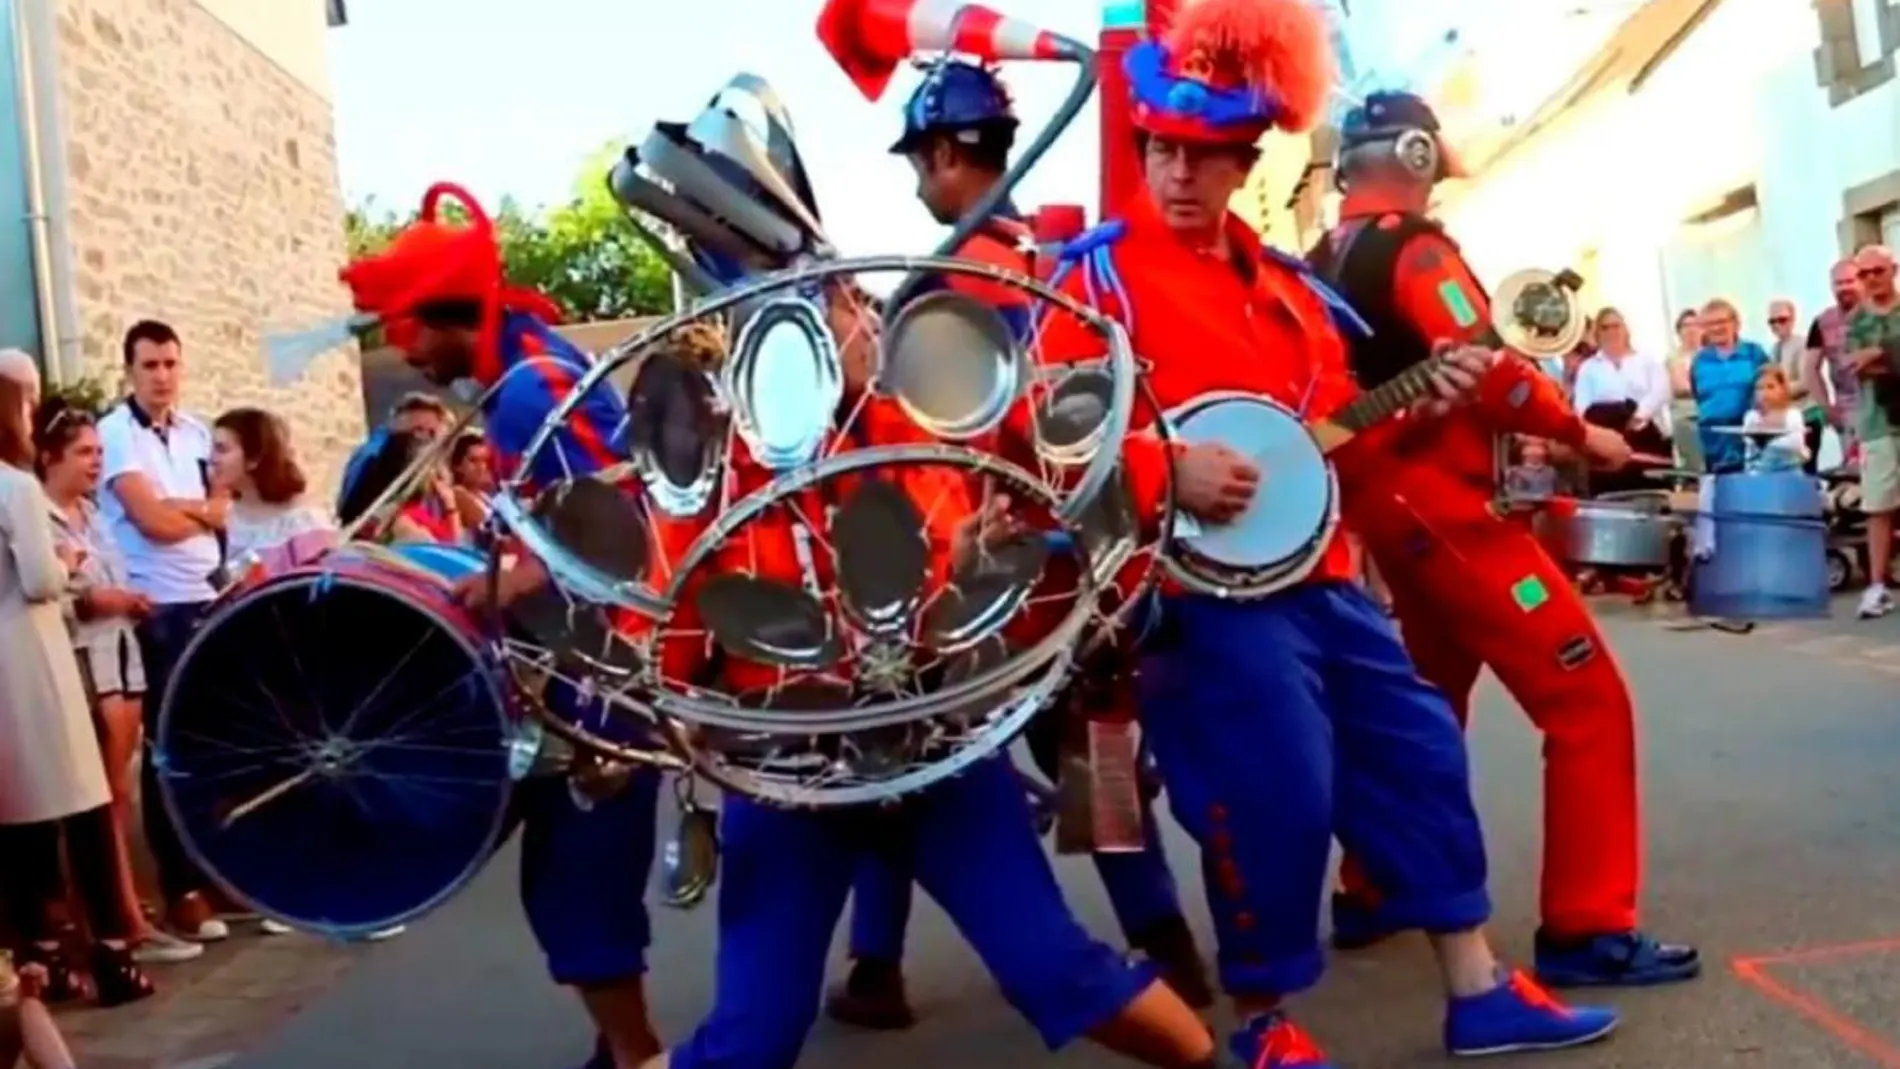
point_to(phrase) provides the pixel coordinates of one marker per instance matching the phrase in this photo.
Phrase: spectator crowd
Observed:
(118, 531)
(1719, 402)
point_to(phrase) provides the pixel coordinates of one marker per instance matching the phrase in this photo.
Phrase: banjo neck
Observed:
(1380, 403)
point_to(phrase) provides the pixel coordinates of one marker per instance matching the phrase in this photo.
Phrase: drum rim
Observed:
(496, 833)
(1198, 572)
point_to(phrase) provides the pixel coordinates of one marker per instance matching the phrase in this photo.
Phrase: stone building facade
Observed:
(199, 165)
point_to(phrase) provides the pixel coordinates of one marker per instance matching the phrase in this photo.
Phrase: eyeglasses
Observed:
(1780, 321)
(1866, 273)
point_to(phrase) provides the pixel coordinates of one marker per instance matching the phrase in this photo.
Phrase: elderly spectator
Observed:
(1682, 421)
(161, 512)
(1873, 344)
(251, 459)
(52, 777)
(1827, 351)
(106, 610)
(1722, 380)
(1790, 354)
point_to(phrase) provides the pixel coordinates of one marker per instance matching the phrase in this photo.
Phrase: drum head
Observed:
(984, 595)
(600, 525)
(1295, 499)
(676, 433)
(1542, 309)
(882, 558)
(952, 364)
(335, 753)
(785, 380)
(1069, 420)
(769, 622)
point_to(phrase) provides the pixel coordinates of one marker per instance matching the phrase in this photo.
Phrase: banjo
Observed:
(1282, 534)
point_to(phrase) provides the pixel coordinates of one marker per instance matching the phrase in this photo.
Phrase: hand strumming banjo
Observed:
(1282, 534)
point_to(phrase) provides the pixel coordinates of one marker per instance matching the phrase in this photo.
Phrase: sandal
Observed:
(59, 981)
(117, 978)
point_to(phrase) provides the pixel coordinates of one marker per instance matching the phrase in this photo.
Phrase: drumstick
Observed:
(270, 795)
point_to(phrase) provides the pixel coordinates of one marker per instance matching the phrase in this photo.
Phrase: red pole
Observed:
(1124, 24)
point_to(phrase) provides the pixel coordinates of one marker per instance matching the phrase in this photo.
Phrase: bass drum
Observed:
(336, 746)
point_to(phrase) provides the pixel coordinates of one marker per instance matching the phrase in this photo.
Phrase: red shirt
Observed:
(1202, 326)
(1447, 467)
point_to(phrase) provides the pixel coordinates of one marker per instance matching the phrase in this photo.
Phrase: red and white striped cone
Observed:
(871, 38)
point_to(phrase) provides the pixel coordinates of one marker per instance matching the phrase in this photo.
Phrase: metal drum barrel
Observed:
(1770, 554)
(335, 746)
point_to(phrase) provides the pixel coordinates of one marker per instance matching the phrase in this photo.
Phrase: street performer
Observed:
(440, 291)
(1277, 719)
(1473, 588)
(959, 126)
(968, 841)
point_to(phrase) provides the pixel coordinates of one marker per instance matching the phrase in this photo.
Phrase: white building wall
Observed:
(1736, 104)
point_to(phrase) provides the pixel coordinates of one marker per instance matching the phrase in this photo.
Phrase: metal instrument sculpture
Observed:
(874, 669)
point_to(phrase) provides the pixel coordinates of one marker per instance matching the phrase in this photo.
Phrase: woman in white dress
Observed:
(251, 457)
(52, 777)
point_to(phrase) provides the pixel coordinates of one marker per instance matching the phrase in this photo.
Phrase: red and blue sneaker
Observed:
(1619, 959)
(1518, 1015)
(1270, 1041)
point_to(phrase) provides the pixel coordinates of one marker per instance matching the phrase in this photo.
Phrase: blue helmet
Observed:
(1410, 125)
(955, 96)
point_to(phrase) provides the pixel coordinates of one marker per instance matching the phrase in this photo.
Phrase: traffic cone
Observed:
(870, 38)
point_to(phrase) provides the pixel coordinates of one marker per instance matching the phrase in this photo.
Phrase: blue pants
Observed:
(584, 877)
(970, 844)
(1274, 723)
(1140, 886)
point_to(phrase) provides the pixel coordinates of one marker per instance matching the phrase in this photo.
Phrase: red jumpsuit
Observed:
(1473, 589)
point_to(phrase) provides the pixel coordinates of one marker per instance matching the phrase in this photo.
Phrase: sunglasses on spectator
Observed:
(1874, 272)
(1780, 321)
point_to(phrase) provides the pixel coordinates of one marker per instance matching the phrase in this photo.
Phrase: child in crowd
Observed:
(1532, 478)
(1776, 412)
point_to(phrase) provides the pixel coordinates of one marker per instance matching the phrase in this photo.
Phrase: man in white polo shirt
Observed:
(166, 521)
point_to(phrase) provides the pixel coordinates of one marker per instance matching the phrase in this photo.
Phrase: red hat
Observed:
(433, 260)
(1227, 71)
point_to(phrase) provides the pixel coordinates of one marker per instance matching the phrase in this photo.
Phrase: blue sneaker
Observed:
(1270, 1041)
(1357, 924)
(1622, 959)
(1518, 1015)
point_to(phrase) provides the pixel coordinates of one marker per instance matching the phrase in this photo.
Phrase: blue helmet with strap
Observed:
(956, 98)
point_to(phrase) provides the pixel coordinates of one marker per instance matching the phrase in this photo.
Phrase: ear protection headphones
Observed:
(1415, 151)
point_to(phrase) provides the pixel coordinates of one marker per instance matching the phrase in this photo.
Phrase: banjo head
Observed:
(1297, 500)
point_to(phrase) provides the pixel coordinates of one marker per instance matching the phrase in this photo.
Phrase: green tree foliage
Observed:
(583, 253)
(86, 392)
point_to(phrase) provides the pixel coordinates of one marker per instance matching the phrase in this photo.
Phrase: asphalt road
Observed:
(1772, 784)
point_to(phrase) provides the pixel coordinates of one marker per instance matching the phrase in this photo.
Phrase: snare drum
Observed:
(336, 747)
(1284, 531)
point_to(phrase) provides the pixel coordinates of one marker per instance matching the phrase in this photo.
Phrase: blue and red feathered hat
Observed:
(955, 96)
(434, 260)
(1227, 71)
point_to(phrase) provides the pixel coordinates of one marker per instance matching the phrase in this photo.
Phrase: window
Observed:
(1890, 227)
(1867, 31)
(333, 9)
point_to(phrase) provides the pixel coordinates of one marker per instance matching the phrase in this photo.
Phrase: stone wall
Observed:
(203, 185)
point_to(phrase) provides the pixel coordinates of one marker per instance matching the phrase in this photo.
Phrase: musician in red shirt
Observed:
(1276, 720)
(1473, 588)
(959, 126)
